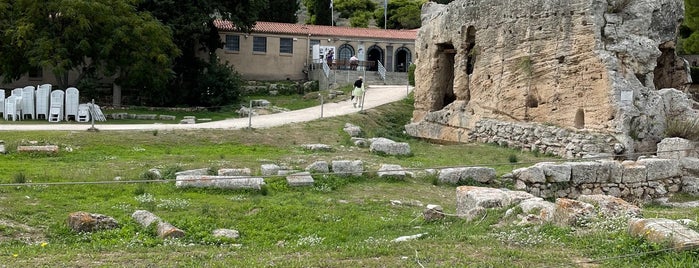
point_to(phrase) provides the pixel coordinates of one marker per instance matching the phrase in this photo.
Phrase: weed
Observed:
(149, 176)
(169, 172)
(264, 190)
(19, 177)
(155, 132)
(512, 158)
(140, 189)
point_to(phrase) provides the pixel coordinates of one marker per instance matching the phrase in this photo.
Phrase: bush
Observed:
(219, 85)
(683, 128)
(411, 74)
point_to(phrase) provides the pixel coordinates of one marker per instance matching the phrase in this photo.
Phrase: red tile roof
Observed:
(321, 30)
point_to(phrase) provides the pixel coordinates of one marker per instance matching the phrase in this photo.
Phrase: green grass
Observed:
(338, 222)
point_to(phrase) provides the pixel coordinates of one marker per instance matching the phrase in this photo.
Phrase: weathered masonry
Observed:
(575, 77)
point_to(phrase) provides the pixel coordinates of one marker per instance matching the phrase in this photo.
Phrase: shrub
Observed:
(20, 178)
(411, 74)
(683, 128)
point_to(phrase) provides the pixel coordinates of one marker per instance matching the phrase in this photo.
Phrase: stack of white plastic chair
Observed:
(42, 101)
(12, 111)
(83, 113)
(72, 102)
(56, 108)
(17, 105)
(2, 102)
(28, 102)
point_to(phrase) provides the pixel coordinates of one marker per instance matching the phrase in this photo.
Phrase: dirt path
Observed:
(375, 96)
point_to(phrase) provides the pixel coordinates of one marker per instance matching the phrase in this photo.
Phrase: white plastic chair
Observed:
(28, 103)
(56, 108)
(2, 102)
(12, 108)
(42, 96)
(72, 102)
(83, 113)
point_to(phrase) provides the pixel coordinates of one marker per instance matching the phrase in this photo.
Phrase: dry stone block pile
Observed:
(603, 74)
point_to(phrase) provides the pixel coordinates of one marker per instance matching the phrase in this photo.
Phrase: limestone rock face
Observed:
(593, 65)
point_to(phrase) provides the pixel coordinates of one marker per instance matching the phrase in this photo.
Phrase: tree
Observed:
(691, 43)
(402, 14)
(319, 12)
(75, 35)
(194, 34)
(359, 12)
(280, 11)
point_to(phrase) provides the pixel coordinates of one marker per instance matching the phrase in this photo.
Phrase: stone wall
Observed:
(596, 65)
(677, 170)
(546, 139)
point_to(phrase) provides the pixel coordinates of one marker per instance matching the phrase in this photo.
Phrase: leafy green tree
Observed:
(319, 12)
(360, 19)
(347, 8)
(691, 22)
(194, 33)
(66, 35)
(402, 14)
(280, 11)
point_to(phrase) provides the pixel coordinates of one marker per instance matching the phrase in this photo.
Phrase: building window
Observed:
(313, 43)
(232, 42)
(259, 44)
(36, 72)
(286, 45)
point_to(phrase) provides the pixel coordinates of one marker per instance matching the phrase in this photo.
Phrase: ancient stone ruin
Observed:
(571, 78)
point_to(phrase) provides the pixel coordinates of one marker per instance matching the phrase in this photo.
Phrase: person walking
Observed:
(358, 93)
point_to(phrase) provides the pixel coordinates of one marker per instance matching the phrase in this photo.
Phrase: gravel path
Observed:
(375, 96)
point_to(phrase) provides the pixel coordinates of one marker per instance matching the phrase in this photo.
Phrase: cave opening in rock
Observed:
(444, 82)
(470, 49)
(668, 72)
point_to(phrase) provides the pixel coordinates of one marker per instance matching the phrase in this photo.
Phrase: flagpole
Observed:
(385, 6)
(332, 13)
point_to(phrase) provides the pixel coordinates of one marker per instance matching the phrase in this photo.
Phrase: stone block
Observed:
(433, 213)
(50, 149)
(234, 172)
(317, 147)
(658, 168)
(347, 168)
(633, 173)
(226, 233)
(584, 172)
(665, 231)
(389, 147)
(220, 182)
(146, 116)
(167, 117)
(318, 166)
(300, 179)
(569, 212)
(470, 197)
(352, 130)
(555, 172)
(690, 165)
(391, 171)
(89, 222)
(164, 229)
(690, 185)
(544, 209)
(200, 171)
(455, 175)
(676, 148)
(530, 174)
(269, 169)
(610, 206)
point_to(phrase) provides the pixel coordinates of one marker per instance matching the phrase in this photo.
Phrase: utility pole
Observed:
(385, 9)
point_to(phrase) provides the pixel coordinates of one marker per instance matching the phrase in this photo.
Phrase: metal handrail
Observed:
(326, 69)
(382, 71)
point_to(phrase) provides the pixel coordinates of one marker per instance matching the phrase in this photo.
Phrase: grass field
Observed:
(338, 222)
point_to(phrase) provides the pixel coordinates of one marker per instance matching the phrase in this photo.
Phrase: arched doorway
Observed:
(345, 52)
(402, 59)
(375, 54)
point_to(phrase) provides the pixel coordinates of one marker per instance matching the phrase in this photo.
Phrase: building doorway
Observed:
(402, 59)
(375, 55)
